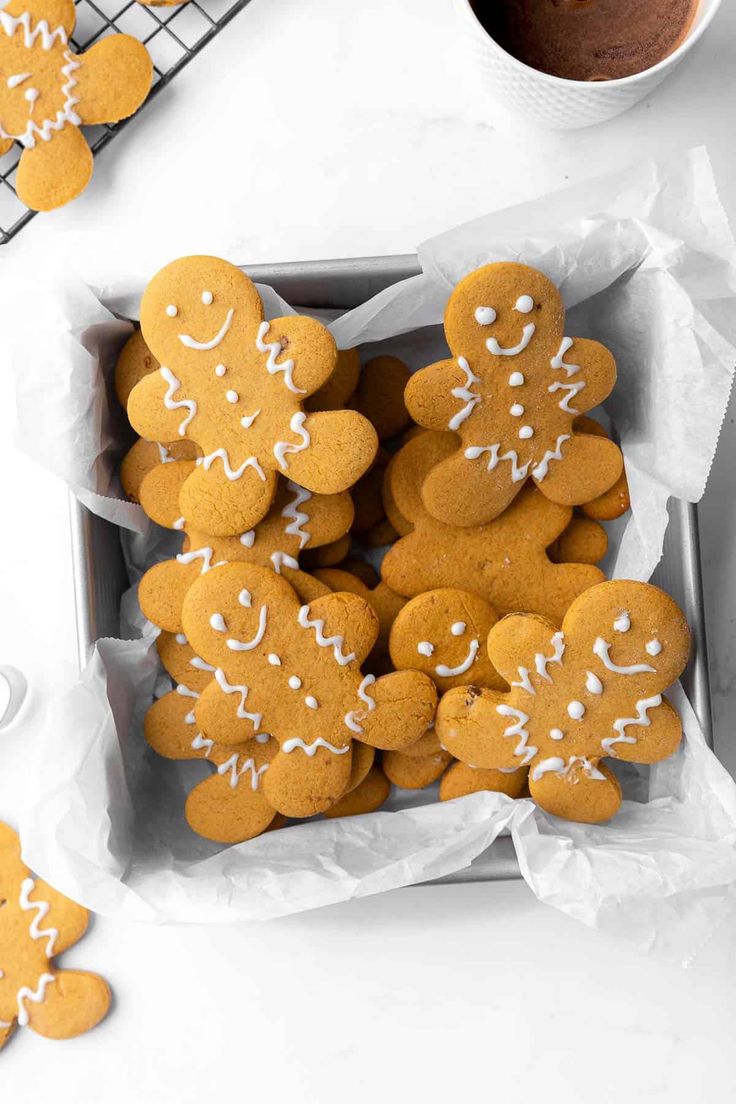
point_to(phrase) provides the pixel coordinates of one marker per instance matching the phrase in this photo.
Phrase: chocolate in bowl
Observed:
(587, 40)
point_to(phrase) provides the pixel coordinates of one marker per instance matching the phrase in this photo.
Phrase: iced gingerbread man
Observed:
(511, 393)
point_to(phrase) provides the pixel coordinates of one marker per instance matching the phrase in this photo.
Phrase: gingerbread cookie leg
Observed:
(53, 173)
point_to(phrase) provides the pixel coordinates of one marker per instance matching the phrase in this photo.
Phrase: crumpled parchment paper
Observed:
(646, 262)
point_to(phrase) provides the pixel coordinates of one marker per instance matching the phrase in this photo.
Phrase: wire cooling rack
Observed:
(172, 35)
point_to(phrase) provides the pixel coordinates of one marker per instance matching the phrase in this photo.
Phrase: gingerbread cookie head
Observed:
(298, 666)
(511, 393)
(48, 92)
(586, 692)
(443, 633)
(36, 924)
(234, 383)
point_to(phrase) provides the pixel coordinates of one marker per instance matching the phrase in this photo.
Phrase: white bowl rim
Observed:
(617, 82)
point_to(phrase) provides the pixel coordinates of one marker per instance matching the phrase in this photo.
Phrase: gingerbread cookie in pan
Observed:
(511, 393)
(234, 384)
(504, 561)
(580, 694)
(48, 92)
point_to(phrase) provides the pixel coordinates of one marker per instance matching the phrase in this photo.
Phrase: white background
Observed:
(320, 128)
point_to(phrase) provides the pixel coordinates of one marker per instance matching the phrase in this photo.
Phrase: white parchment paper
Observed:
(646, 262)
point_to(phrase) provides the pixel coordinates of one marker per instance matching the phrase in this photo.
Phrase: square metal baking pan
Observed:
(99, 570)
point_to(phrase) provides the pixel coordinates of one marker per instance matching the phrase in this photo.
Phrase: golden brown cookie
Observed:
(505, 561)
(134, 362)
(381, 535)
(48, 92)
(368, 497)
(335, 392)
(369, 796)
(590, 691)
(144, 456)
(297, 670)
(461, 779)
(380, 395)
(443, 633)
(414, 772)
(384, 602)
(508, 394)
(615, 501)
(327, 555)
(234, 384)
(583, 541)
(37, 923)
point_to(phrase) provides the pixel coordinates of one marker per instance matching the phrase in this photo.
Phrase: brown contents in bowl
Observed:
(587, 39)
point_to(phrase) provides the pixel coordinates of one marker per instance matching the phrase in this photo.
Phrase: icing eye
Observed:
(425, 648)
(524, 304)
(623, 623)
(485, 316)
(458, 628)
(244, 598)
(207, 297)
(172, 311)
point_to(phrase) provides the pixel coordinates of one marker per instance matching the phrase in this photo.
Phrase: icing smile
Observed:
(500, 350)
(447, 672)
(192, 343)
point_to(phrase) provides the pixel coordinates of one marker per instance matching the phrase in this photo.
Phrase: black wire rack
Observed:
(172, 35)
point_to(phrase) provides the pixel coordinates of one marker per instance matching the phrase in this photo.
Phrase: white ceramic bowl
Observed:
(554, 101)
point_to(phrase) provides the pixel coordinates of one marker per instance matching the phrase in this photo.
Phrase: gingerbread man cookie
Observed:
(297, 669)
(384, 602)
(36, 924)
(48, 92)
(510, 393)
(589, 691)
(504, 561)
(234, 384)
(297, 520)
(380, 395)
(144, 456)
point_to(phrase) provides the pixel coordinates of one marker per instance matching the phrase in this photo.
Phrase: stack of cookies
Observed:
(490, 654)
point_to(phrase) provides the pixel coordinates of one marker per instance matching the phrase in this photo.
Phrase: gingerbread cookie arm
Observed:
(65, 916)
(596, 372)
(583, 541)
(347, 617)
(341, 447)
(440, 396)
(163, 588)
(134, 362)
(587, 793)
(219, 811)
(74, 1002)
(310, 346)
(330, 516)
(590, 465)
(222, 712)
(169, 725)
(113, 79)
(659, 731)
(480, 728)
(406, 473)
(158, 410)
(160, 489)
(51, 174)
(404, 705)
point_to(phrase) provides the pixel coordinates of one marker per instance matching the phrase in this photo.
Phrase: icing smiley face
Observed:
(442, 633)
(511, 392)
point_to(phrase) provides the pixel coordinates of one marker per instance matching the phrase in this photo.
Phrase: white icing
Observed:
(220, 370)
(295, 682)
(186, 692)
(190, 718)
(281, 448)
(283, 559)
(229, 688)
(526, 432)
(171, 404)
(541, 662)
(32, 33)
(217, 621)
(245, 598)
(179, 523)
(232, 397)
(298, 518)
(499, 350)
(592, 683)
(465, 394)
(262, 737)
(516, 410)
(66, 114)
(273, 349)
(458, 628)
(41, 908)
(203, 554)
(311, 702)
(542, 469)
(17, 78)
(312, 749)
(273, 659)
(180, 638)
(559, 766)
(448, 672)
(236, 772)
(524, 304)
(556, 734)
(201, 742)
(518, 472)
(231, 473)
(353, 718)
(192, 343)
(622, 624)
(572, 390)
(163, 454)
(236, 645)
(558, 360)
(248, 539)
(485, 316)
(653, 647)
(172, 311)
(248, 419)
(524, 682)
(516, 379)
(641, 719)
(576, 710)
(207, 298)
(36, 995)
(199, 664)
(425, 648)
(601, 649)
(523, 748)
(335, 642)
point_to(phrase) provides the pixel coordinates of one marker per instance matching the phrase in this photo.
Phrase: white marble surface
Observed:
(316, 128)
